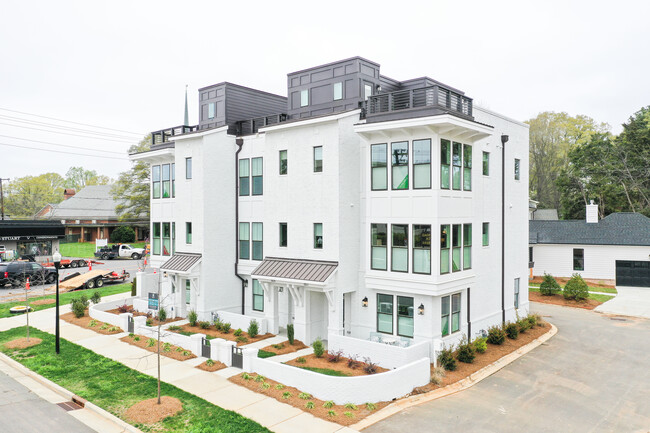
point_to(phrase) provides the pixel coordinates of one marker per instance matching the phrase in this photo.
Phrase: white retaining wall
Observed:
(358, 389)
(98, 312)
(381, 354)
(241, 321)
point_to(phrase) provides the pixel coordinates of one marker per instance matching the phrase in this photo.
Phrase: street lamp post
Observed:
(57, 264)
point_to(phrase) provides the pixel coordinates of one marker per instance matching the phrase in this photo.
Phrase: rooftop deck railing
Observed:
(423, 97)
(251, 126)
(164, 135)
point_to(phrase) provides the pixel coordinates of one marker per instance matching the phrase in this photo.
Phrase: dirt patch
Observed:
(341, 365)
(150, 412)
(211, 331)
(22, 343)
(294, 400)
(218, 365)
(166, 349)
(610, 284)
(89, 323)
(285, 347)
(587, 304)
(43, 302)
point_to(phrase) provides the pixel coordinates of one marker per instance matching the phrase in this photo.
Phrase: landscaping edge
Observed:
(67, 394)
(461, 385)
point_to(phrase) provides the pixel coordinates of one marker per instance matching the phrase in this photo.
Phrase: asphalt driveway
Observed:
(630, 301)
(593, 376)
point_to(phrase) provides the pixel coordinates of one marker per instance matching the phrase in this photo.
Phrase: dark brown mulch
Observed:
(285, 347)
(22, 343)
(150, 412)
(211, 331)
(590, 282)
(85, 321)
(587, 304)
(218, 365)
(173, 351)
(341, 365)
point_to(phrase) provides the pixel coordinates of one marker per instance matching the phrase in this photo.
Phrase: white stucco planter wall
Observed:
(382, 354)
(241, 321)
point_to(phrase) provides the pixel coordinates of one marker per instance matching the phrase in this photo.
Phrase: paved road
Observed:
(593, 376)
(22, 411)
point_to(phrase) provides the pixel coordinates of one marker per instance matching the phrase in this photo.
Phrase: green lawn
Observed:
(264, 354)
(86, 250)
(599, 298)
(326, 371)
(64, 298)
(115, 387)
(591, 288)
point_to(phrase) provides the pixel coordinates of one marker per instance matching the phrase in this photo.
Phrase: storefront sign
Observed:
(27, 238)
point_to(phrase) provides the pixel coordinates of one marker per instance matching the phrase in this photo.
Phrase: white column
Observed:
(271, 307)
(301, 323)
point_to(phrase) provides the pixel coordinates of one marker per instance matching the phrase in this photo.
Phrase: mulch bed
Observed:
(587, 304)
(211, 331)
(173, 352)
(590, 282)
(85, 321)
(295, 401)
(285, 347)
(117, 311)
(218, 365)
(22, 343)
(150, 412)
(341, 365)
(43, 302)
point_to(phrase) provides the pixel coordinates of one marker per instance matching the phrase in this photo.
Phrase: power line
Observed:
(61, 151)
(70, 121)
(67, 133)
(62, 145)
(65, 128)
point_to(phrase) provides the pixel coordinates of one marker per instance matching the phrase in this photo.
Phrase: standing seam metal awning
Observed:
(181, 262)
(317, 271)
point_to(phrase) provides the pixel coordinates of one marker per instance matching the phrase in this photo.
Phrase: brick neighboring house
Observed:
(90, 215)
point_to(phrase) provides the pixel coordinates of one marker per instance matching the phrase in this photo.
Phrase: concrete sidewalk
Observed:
(630, 301)
(213, 387)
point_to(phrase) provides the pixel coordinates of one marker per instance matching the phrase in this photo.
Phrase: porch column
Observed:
(335, 313)
(271, 312)
(301, 323)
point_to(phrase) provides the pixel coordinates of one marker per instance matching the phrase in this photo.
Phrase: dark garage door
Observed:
(633, 274)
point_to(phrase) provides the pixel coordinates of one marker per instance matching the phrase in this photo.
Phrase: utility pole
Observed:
(2, 200)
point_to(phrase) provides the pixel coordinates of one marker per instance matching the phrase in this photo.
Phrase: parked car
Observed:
(119, 251)
(15, 273)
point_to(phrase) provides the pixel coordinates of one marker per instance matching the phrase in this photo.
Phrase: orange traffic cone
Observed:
(27, 284)
(90, 265)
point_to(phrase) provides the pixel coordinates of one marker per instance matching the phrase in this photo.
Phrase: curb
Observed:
(461, 385)
(67, 394)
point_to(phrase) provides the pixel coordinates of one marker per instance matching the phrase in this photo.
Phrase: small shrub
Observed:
(549, 286)
(496, 335)
(523, 324)
(512, 331)
(369, 367)
(446, 359)
(334, 356)
(538, 319)
(437, 375)
(96, 297)
(218, 324)
(162, 315)
(304, 396)
(328, 404)
(318, 348)
(179, 349)
(174, 328)
(265, 385)
(123, 308)
(136, 338)
(278, 346)
(187, 353)
(104, 327)
(301, 360)
(465, 352)
(576, 288)
(309, 405)
(204, 325)
(113, 329)
(350, 406)
(352, 361)
(331, 413)
(480, 345)
(167, 347)
(531, 319)
(216, 319)
(348, 414)
(371, 406)
(246, 376)
(279, 386)
(286, 395)
(253, 329)
(225, 328)
(192, 317)
(149, 322)
(131, 334)
(242, 339)
(79, 306)
(259, 378)
(93, 323)
(290, 333)
(237, 332)
(151, 342)
(209, 363)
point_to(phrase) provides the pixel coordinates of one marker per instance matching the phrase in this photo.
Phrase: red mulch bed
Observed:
(85, 321)
(138, 313)
(22, 343)
(218, 334)
(285, 347)
(590, 282)
(150, 412)
(173, 351)
(587, 304)
(341, 365)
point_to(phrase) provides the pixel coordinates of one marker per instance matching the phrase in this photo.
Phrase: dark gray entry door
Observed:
(633, 273)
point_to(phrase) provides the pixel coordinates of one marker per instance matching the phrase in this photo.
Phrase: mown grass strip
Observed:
(326, 371)
(265, 354)
(86, 250)
(591, 288)
(599, 298)
(115, 387)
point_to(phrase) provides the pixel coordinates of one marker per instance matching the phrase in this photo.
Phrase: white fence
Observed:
(241, 321)
(357, 389)
(385, 355)
(99, 312)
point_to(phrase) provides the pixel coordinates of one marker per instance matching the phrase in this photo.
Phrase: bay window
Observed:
(445, 161)
(378, 234)
(467, 246)
(444, 248)
(421, 164)
(421, 249)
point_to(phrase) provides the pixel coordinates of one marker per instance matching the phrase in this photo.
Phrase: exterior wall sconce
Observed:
(364, 302)
(281, 289)
(421, 310)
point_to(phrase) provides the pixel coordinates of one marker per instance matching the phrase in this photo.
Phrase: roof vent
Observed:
(592, 212)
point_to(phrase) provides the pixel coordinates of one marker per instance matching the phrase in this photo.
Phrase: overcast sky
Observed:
(124, 64)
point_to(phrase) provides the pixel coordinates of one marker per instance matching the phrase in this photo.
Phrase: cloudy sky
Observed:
(124, 65)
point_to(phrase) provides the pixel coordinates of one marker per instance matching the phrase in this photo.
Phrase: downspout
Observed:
(240, 144)
(469, 319)
(504, 140)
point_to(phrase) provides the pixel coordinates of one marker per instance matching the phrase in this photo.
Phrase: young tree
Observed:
(132, 187)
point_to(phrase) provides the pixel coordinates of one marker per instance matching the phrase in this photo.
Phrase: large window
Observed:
(486, 163)
(378, 234)
(156, 239)
(173, 238)
(467, 167)
(399, 248)
(284, 163)
(318, 236)
(188, 168)
(445, 162)
(258, 296)
(517, 169)
(457, 162)
(257, 175)
(405, 316)
(578, 259)
(188, 233)
(211, 110)
(338, 91)
(173, 180)
(516, 292)
(244, 177)
(486, 234)
(421, 164)
(318, 159)
(444, 248)
(155, 179)
(455, 247)
(467, 246)
(385, 313)
(304, 98)
(450, 314)
(244, 241)
(284, 234)
(379, 166)
(188, 291)
(400, 165)
(258, 241)
(367, 91)
(167, 239)
(166, 181)
(422, 249)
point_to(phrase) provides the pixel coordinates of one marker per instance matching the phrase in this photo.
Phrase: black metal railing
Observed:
(251, 126)
(164, 135)
(431, 96)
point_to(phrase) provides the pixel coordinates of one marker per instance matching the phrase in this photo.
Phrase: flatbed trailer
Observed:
(74, 263)
(92, 279)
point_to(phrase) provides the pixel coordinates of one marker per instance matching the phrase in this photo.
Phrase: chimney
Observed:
(592, 212)
(68, 192)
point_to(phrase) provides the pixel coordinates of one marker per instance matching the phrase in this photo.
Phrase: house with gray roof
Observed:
(615, 248)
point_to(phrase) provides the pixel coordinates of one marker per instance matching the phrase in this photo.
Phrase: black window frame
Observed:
(396, 160)
(255, 295)
(411, 312)
(418, 241)
(372, 166)
(579, 259)
(255, 177)
(421, 163)
(285, 234)
(391, 314)
(257, 243)
(188, 167)
(400, 247)
(244, 181)
(283, 170)
(244, 253)
(374, 229)
(155, 181)
(318, 163)
(317, 245)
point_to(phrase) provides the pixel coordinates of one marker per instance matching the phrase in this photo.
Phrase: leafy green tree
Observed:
(78, 178)
(24, 196)
(132, 187)
(123, 234)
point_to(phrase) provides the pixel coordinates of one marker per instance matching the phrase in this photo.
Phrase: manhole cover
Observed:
(620, 319)
(69, 405)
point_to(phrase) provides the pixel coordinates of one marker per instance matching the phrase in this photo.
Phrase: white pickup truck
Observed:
(119, 251)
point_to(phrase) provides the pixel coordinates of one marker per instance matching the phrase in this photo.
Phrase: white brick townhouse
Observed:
(359, 205)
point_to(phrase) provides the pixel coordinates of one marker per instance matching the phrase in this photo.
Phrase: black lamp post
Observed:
(57, 264)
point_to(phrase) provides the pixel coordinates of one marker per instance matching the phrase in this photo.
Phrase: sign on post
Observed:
(153, 301)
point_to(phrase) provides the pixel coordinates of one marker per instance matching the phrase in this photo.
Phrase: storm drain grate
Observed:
(69, 405)
(620, 319)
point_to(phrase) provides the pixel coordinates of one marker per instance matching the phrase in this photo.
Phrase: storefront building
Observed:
(35, 240)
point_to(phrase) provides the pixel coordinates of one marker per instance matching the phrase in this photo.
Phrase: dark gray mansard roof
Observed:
(623, 228)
